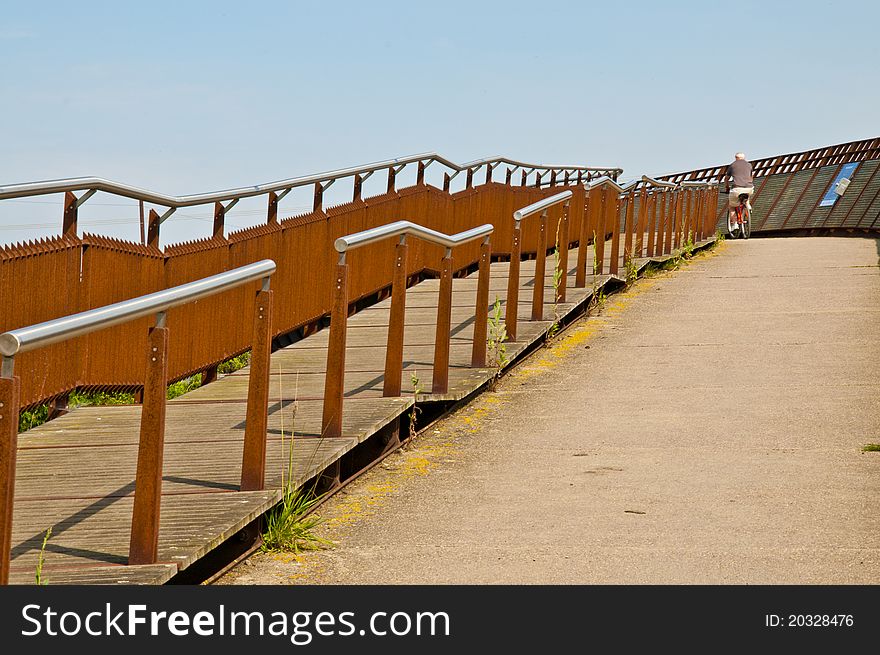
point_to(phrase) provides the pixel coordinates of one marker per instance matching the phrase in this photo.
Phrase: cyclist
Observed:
(740, 171)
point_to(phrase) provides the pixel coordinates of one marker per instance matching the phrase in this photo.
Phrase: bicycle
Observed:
(742, 227)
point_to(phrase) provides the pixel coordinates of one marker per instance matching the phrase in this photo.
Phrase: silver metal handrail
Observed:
(93, 184)
(404, 228)
(540, 206)
(652, 182)
(698, 183)
(613, 183)
(67, 327)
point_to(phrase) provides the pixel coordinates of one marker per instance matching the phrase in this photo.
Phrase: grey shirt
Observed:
(741, 172)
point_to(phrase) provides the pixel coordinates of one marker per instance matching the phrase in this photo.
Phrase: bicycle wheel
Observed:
(746, 231)
(732, 227)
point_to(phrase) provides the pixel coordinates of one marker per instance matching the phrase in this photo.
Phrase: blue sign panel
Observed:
(846, 172)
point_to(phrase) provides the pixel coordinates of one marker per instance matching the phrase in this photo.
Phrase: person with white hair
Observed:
(740, 171)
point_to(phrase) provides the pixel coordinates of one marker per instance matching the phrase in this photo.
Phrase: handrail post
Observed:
(253, 459)
(334, 384)
(481, 317)
(144, 543)
(396, 321)
(677, 200)
(69, 220)
(600, 225)
(642, 223)
(510, 315)
(563, 253)
(612, 208)
(628, 226)
(272, 212)
(669, 211)
(540, 266)
(580, 276)
(10, 396)
(318, 198)
(651, 226)
(661, 223)
(219, 220)
(444, 322)
(153, 229)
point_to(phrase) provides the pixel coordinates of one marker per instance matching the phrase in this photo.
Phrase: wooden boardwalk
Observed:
(75, 474)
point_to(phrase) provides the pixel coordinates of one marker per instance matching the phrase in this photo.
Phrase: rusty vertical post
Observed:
(661, 218)
(447, 181)
(394, 348)
(613, 209)
(489, 170)
(669, 210)
(698, 215)
(678, 200)
(629, 232)
(525, 177)
(481, 318)
(562, 252)
(10, 395)
(272, 210)
(469, 179)
(651, 223)
(420, 174)
(600, 226)
(253, 460)
(358, 190)
(219, 220)
(508, 177)
(540, 269)
(553, 178)
(318, 200)
(444, 323)
(144, 544)
(392, 180)
(510, 317)
(153, 229)
(69, 220)
(334, 383)
(642, 223)
(580, 276)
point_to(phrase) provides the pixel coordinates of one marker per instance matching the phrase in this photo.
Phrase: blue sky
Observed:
(186, 97)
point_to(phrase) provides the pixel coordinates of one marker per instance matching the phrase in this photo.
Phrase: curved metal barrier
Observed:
(148, 482)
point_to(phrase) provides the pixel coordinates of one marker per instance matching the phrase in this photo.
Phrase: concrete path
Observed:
(705, 427)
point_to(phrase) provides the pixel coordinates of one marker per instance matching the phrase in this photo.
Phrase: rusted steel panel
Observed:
(115, 270)
(39, 281)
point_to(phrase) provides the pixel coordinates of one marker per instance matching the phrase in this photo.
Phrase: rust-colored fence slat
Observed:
(253, 460)
(651, 224)
(144, 544)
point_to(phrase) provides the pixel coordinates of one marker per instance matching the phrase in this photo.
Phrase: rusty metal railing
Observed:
(668, 213)
(143, 548)
(334, 385)
(541, 207)
(275, 191)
